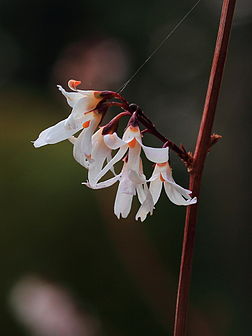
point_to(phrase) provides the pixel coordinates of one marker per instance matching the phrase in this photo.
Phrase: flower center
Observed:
(73, 84)
(132, 143)
(162, 164)
(86, 124)
(134, 129)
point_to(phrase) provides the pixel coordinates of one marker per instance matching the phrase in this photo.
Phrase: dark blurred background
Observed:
(68, 266)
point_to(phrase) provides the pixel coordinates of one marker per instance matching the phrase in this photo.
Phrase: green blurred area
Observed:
(125, 272)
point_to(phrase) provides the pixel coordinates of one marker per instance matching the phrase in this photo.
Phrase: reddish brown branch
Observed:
(202, 147)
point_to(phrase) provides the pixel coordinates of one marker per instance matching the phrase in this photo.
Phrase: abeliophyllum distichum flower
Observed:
(99, 149)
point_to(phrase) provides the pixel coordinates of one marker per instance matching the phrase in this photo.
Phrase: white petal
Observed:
(134, 157)
(175, 197)
(118, 156)
(109, 158)
(104, 184)
(99, 154)
(74, 121)
(83, 145)
(168, 178)
(155, 174)
(157, 155)
(126, 185)
(146, 207)
(155, 189)
(113, 141)
(72, 139)
(131, 133)
(56, 133)
(140, 193)
(122, 203)
(72, 97)
(82, 106)
(79, 146)
(135, 177)
(86, 92)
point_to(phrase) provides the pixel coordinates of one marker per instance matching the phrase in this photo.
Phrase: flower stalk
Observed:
(204, 142)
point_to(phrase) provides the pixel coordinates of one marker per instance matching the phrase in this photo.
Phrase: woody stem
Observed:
(202, 146)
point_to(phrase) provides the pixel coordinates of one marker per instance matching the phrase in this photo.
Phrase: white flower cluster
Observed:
(100, 151)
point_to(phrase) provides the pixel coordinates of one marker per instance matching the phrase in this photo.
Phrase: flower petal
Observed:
(56, 133)
(118, 156)
(72, 97)
(104, 184)
(75, 121)
(155, 189)
(83, 144)
(175, 196)
(131, 133)
(122, 203)
(134, 157)
(135, 177)
(113, 141)
(127, 186)
(84, 105)
(109, 158)
(155, 174)
(157, 155)
(72, 139)
(99, 154)
(146, 207)
(169, 179)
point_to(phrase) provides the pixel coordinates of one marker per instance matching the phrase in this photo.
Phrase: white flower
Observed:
(125, 192)
(83, 143)
(131, 183)
(83, 102)
(131, 142)
(162, 175)
(99, 154)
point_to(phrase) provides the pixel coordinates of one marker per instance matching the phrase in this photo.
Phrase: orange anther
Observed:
(161, 178)
(73, 84)
(86, 124)
(162, 164)
(134, 129)
(132, 143)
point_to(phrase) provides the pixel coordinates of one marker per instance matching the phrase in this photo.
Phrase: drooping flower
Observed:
(93, 150)
(82, 145)
(162, 175)
(131, 143)
(83, 102)
(131, 183)
(100, 153)
(126, 190)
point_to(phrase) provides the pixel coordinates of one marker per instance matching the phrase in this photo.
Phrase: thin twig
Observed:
(201, 150)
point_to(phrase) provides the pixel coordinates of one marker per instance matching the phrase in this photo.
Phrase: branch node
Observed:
(214, 139)
(190, 161)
